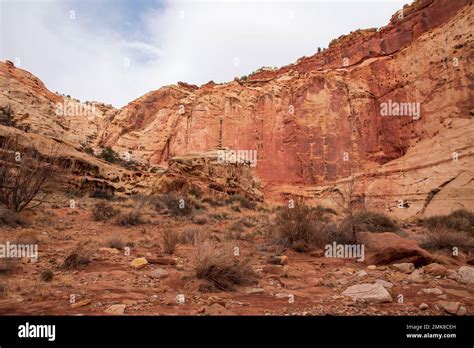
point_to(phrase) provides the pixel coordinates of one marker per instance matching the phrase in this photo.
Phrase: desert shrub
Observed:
(79, 256)
(340, 232)
(127, 219)
(368, 221)
(89, 150)
(200, 219)
(300, 226)
(195, 191)
(213, 202)
(26, 176)
(27, 237)
(109, 155)
(101, 194)
(114, 242)
(196, 203)
(189, 236)
(47, 275)
(177, 206)
(216, 263)
(236, 232)
(103, 211)
(170, 240)
(459, 220)
(8, 264)
(10, 218)
(243, 201)
(440, 238)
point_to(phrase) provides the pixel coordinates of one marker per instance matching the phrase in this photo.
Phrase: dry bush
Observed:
(79, 256)
(27, 237)
(213, 202)
(10, 218)
(243, 201)
(102, 194)
(177, 206)
(459, 220)
(368, 221)
(103, 211)
(47, 275)
(216, 263)
(192, 236)
(444, 238)
(200, 219)
(26, 176)
(114, 242)
(170, 240)
(301, 226)
(8, 264)
(128, 219)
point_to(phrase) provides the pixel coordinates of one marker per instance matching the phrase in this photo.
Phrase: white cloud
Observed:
(193, 41)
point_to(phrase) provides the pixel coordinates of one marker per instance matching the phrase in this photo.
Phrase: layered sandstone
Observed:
(317, 124)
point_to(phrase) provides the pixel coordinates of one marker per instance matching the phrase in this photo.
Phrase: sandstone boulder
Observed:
(404, 267)
(368, 292)
(139, 263)
(466, 275)
(387, 247)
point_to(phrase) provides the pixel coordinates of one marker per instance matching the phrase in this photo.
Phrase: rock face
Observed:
(368, 292)
(318, 125)
(387, 247)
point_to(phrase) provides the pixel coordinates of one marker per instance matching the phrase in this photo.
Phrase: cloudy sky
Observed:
(117, 50)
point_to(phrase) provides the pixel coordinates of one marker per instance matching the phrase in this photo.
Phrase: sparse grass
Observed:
(216, 263)
(170, 240)
(192, 236)
(177, 206)
(47, 275)
(200, 219)
(243, 201)
(213, 202)
(103, 211)
(440, 238)
(27, 237)
(459, 220)
(133, 218)
(79, 256)
(10, 218)
(114, 242)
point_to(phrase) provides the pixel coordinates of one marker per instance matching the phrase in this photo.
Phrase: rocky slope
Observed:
(317, 125)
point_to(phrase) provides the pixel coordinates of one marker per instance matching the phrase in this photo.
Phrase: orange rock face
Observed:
(381, 118)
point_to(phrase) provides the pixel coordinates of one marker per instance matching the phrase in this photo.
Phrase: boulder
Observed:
(158, 273)
(466, 275)
(139, 263)
(404, 267)
(368, 292)
(435, 269)
(417, 277)
(116, 309)
(388, 247)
